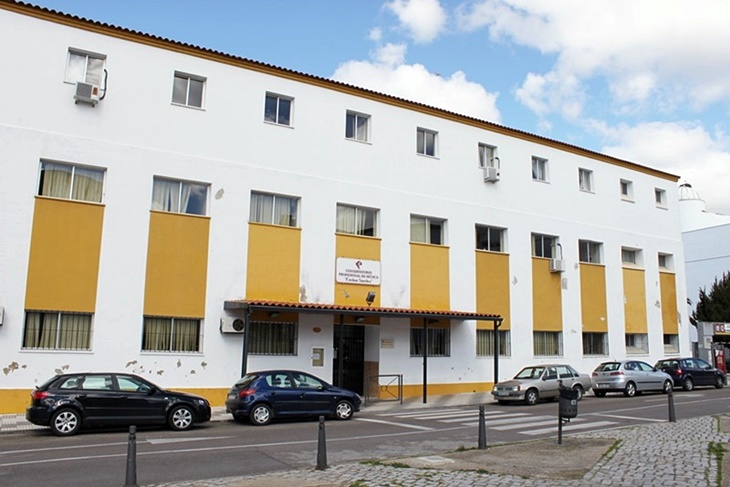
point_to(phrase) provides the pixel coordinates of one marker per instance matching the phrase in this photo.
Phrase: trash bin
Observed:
(568, 402)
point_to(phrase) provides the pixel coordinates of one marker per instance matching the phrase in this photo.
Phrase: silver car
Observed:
(541, 382)
(631, 377)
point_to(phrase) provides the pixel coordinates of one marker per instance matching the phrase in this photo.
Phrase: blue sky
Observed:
(647, 81)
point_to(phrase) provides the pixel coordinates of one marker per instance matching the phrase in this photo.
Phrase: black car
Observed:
(263, 396)
(690, 372)
(69, 402)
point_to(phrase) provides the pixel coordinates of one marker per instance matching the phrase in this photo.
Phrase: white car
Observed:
(541, 382)
(631, 377)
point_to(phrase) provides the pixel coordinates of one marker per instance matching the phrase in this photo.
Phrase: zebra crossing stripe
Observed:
(568, 428)
(504, 418)
(530, 424)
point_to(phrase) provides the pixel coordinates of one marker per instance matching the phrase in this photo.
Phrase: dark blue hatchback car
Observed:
(263, 396)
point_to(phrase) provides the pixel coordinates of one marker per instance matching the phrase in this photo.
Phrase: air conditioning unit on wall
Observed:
(557, 265)
(230, 324)
(86, 93)
(491, 174)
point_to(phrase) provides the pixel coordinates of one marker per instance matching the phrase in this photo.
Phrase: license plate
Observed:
(502, 393)
(601, 385)
(231, 396)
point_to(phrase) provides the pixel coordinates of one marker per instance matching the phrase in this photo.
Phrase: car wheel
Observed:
(260, 415)
(65, 422)
(579, 392)
(719, 382)
(180, 418)
(668, 386)
(531, 397)
(688, 384)
(599, 393)
(630, 390)
(343, 410)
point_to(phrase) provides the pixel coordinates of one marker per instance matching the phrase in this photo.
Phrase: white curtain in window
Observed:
(94, 69)
(75, 332)
(283, 211)
(166, 195)
(185, 191)
(185, 335)
(157, 334)
(87, 185)
(418, 229)
(345, 219)
(76, 68)
(262, 207)
(40, 330)
(55, 180)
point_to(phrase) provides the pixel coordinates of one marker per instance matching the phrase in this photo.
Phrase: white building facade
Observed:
(155, 192)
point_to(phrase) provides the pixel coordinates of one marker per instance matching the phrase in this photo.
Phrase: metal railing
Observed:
(384, 388)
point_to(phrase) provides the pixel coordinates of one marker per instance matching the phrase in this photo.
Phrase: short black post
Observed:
(670, 398)
(321, 447)
(560, 428)
(482, 429)
(131, 477)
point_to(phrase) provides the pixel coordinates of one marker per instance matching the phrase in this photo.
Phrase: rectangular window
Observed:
(589, 252)
(539, 169)
(666, 262)
(660, 197)
(427, 230)
(426, 142)
(71, 182)
(637, 343)
(357, 126)
(187, 90)
(274, 209)
(671, 343)
(56, 330)
(490, 238)
(630, 257)
(595, 344)
(439, 342)
(356, 221)
(162, 334)
(278, 109)
(85, 67)
(543, 245)
(176, 196)
(488, 156)
(272, 338)
(627, 190)
(547, 343)
(485, 343)
(585, 180)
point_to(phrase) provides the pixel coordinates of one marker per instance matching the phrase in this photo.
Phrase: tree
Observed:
(715, 305)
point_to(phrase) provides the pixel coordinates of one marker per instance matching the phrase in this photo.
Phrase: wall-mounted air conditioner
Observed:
(557, 265)
(86, 93)
(229, 324)
(491, 174)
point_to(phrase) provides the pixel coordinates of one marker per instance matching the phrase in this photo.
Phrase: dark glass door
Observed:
(353, 357)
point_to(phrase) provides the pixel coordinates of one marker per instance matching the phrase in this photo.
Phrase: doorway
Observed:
(353, 357)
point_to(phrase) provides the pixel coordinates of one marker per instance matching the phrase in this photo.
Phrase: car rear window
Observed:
(667, 363)
(246, 380)
(608, 367)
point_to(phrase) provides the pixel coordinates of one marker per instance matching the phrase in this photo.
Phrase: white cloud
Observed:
(424, 20)
(375, 34)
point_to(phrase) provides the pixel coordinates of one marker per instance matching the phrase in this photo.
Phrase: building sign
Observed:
(358, 271)
(722, 328)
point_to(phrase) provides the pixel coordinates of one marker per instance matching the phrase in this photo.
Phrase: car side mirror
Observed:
(151, 391)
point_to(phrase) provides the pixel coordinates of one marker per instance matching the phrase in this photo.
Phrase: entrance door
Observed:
(353, 357)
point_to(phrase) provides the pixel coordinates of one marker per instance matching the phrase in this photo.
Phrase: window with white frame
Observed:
(671, 343)
(627, 190)
(589, 252)
(660, 198)
(175, 196)
(427, 230)
(274, 209)
(543, 245)
(631, 257)
(70, 181)
(487, 156)
(426, 141)
(539, 169)
(272, 338)
(278, 109)
(585, 180)
(357, 126)
(490, 238)
(438, 341)
(167, 334)
(595, 343)
(187, 90)
(665, 261)
(356, 220)
(56, 330)
(85, 67)
(547, 343)
(637, 343)
(485, 343)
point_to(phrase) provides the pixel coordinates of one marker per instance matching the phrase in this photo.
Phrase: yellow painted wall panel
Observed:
(634, 300)
(273, 262)
(492, 287)
(430, 287)
(670, 315)
(593, 306)
(547, 297)
(356, 247)
(177, 265)
(63, 266)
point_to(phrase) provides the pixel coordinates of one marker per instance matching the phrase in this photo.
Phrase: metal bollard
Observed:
(131, 477)
(482, 429)
(321, 447)
(670, 398)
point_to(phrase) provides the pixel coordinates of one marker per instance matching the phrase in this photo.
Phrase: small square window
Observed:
(85, 67)
(278, 109)
(585, 180)
(426, 142)
(539, 169)
(488, 156)
(187, 90)
(660, 197)
(490, 238)
(357, 126)
(665, 262)
(175, 196)
(589, 252)
(71, 182)
(274, 209)
(427, 230)
(356, 220)
(544, 245)
(627, 190)
(631, 257)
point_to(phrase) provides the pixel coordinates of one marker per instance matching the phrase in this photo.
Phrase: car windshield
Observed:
(530, 373)
(608, 367)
